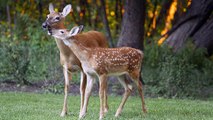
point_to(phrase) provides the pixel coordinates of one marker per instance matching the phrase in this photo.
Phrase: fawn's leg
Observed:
(90, 80)
(82, 88)
(128, 89)
(106, 107)
(136, 76)
(102, 89)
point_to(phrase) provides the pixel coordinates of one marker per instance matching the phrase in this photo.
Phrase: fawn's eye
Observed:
(57, 18)
(62, 31)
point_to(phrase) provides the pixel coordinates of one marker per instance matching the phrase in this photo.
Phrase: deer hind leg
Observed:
(128, 89)
(89, 85)
(67, 76)
(82, 88)
(138, 80)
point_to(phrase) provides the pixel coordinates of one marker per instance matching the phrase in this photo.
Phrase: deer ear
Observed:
(81, 28)
(66, 10)
(51, 8)
(74, 31)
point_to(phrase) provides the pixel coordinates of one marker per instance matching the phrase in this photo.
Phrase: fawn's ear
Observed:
(81, 28)
(51, 8)
(66, 10)
(74, 31)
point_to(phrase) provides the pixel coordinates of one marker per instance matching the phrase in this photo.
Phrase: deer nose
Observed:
(44, 25)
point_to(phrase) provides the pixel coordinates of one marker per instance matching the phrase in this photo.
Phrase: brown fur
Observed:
(68, 58)
(105, 62)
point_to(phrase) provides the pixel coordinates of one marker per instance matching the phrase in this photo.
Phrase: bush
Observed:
(26, 53)
(182, 74)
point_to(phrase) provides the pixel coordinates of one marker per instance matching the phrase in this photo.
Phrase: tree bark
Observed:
(118, 15)
(162, 15)
(40, 9)
(106, 24)
(196, 15)
(132, 31)
(89, 14)
(9, 21)
(151, 21)
(203, 38)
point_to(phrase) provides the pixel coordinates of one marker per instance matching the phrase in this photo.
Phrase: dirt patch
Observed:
(57, 87)
(14, 87)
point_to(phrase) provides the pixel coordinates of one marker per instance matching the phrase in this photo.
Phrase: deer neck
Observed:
(65, 50)
(60, 44)
(79, 50)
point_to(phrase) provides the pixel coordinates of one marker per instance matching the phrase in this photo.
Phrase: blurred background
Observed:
(175, 36)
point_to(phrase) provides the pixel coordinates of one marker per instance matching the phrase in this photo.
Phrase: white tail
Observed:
(103, 62)
(70, 63)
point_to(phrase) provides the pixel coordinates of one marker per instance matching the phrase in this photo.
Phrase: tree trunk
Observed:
(40, 9)
(9, 21)
(117, 16)
(196, 15)
(203, 38)
(132, 31)
(162, 16)
(150, 27)
(89, 14)
(106, 24)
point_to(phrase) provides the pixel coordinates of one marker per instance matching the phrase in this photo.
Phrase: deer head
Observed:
(55, 19)
(64, 34)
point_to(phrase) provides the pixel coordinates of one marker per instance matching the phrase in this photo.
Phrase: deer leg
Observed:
(102, 90)
(138, 81)
(89, 85)
(128, 90)
(140, 90)
(82, 88)
(66, 86)
(106, 107)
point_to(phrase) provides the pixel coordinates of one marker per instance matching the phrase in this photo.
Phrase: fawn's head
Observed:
(64, 34)
(56, 19)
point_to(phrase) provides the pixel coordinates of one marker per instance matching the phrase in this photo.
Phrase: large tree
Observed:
(132, 31)
(195, 18)
(203, 37)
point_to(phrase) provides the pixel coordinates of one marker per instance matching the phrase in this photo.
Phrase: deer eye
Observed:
(62, 31)
(57, 18)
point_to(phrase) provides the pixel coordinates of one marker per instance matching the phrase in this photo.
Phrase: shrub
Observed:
(181, 74)
(26, 53)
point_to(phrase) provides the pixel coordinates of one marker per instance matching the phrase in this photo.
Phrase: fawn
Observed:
(103, 62)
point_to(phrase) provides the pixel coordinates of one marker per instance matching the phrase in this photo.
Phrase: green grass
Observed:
(29, 106)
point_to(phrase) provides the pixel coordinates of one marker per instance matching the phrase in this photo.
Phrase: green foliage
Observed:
(183, 74)
(26, 53)
(25, 106)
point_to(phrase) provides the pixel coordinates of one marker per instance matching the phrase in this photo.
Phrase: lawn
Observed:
(30, 106)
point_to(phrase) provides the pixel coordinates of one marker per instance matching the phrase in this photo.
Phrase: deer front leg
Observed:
(102, 90)
(82, 88)
(66, 86)
(106, 107)
(89, 85)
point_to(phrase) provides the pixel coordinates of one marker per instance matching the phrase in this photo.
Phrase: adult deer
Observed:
(70, 63)
(103, 62)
